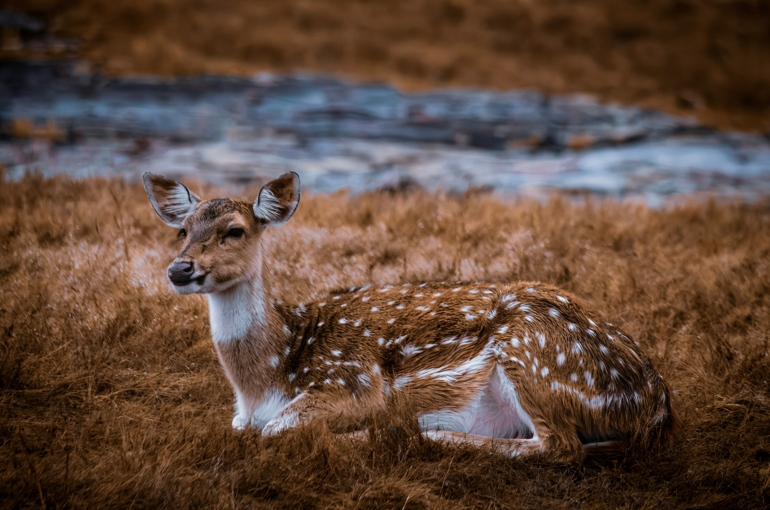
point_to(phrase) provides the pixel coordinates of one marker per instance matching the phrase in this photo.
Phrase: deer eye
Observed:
(182, 234)
(235, 232)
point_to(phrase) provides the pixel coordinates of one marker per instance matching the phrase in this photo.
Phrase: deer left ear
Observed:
(172, 201)
(278, 200)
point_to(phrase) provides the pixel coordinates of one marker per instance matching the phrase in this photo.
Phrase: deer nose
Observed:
(180, 273)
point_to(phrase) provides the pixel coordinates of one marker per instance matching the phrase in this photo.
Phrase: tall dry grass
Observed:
(111, 394)
(710, 59)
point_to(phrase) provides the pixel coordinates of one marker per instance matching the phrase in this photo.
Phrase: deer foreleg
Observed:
(508, 447)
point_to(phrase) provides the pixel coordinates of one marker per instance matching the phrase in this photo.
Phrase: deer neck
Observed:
(248, 334)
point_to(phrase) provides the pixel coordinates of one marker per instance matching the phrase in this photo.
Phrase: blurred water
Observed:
(338, 134)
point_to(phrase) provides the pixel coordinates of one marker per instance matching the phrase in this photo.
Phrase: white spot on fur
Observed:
(469, 316)
(357, 323)
(422, 308)
(375, 368)
(573, 378)
(502, 329)
(274, 361)
(560, 359)
(449, 375)
(375, 309)
(449, 340)
(410, 350)
(515, 342)
(364, 379)
(544, 371)
(554, 312)
(473, 291)
(468, 340)
(327, 381)
(541, 339)
(597, 402)
(343, 321)
(577, 348)
(491, 315)
(572, 327)
(365, 299)
(392, 320)
(310, 340)
(589, 379)
(320, 324)
(367, 332)
(291, 377)
(336, 352)
(402, 381)
(591, 332)
(380, 341)
(529, 318)
(562, 299)
(342, 383)
(603, 348)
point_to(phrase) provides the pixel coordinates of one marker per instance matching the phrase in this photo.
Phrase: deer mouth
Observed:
(179, 282)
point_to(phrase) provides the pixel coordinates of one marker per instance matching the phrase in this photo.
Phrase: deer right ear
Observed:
(278, 200)
(172, 201)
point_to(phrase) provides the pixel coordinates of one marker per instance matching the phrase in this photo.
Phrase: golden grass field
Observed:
(111, 395)
(709, 59)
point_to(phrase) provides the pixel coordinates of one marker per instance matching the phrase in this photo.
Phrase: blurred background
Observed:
(646, 98)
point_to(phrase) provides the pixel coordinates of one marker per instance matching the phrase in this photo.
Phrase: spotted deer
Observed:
(523, 367)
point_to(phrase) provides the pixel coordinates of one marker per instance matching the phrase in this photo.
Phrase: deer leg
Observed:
(306, 407)
(508, 447)
(300, 410)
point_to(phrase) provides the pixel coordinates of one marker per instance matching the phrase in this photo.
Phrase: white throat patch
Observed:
(234, 312)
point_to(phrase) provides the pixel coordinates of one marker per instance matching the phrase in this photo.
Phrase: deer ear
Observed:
(172, 201)
(278, 200)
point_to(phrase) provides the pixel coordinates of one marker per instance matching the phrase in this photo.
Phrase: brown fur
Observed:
(345, 356)
(112, 394)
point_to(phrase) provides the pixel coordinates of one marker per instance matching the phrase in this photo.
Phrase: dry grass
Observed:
(707, 58)
(111, 394)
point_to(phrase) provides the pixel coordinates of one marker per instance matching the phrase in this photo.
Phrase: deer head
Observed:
(220, 236)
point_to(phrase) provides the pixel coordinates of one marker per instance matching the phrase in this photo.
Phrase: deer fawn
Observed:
(522, 367)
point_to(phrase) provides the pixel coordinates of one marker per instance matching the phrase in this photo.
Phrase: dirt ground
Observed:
(111, 395)
(710, 59)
